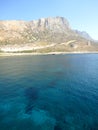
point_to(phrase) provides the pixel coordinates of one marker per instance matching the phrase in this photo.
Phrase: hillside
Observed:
(43, 35)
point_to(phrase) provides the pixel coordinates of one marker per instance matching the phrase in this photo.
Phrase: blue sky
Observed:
(81, 14)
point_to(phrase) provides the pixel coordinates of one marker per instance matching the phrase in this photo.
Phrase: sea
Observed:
(49, 92)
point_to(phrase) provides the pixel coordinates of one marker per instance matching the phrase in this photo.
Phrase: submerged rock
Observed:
(31, 95)
(69, 120)
(41, 117)
(57, 127)
(28, 109)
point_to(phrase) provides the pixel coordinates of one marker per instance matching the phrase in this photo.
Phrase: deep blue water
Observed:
(55, 92)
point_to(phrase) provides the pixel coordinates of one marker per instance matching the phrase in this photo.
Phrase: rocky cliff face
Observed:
(54, 24)
(45, 34)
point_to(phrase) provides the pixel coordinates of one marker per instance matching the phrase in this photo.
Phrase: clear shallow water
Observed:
(55, 92)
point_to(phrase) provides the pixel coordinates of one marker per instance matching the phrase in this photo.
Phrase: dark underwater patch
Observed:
(31, 95)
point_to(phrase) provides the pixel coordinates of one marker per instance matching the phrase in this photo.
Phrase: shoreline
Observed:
(50, 53)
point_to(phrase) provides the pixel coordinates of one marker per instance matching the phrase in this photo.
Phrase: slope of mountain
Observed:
(43, 35)
(84, 35)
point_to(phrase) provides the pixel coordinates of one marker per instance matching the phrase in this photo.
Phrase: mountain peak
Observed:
(52, 23)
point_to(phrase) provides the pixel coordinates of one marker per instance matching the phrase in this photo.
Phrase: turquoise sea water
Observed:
(55, 92)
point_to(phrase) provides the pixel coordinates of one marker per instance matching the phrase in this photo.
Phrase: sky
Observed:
(81, 14)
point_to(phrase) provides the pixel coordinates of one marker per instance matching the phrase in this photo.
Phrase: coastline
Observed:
(50, 53)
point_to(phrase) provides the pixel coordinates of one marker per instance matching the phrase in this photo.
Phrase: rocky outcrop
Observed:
(54, 24)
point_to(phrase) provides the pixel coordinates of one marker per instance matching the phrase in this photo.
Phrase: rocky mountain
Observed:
(43, 35)
(84, 35)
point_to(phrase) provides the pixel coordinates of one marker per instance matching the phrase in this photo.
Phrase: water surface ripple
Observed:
(53, 92)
